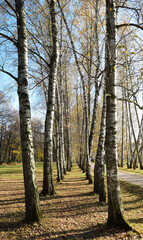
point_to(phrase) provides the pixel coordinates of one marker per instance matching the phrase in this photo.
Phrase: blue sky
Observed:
(8, 86)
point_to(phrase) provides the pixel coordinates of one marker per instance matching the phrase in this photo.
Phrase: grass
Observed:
(130, 170)
(73, 213)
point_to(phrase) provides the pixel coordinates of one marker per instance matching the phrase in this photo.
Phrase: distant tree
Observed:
(86, 148)
(38, 139)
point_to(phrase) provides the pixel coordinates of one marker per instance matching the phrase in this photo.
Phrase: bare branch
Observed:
(120, 6)
(129, 24)
(8, 73)
(35, 53)
(130, 8)
(10, 39)
(9, 4)
(130, 101)
(38, 83)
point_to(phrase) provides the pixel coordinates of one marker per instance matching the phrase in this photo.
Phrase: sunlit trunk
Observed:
(68, 137)
(48, 186)
(115, 209)
(99, 186)
(33, 212)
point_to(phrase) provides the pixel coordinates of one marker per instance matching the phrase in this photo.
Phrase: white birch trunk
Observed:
(99, 185)
(97, 88)
(69, 156)
(57, 150)
(61, 127)
(33, 212)
(61, 163)
(48, 187)
(115, 210)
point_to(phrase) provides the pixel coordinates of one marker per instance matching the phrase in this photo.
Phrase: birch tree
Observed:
(67, 116)
(33, 211)
(32, 203)
(48, 186)
(115, 208)
(99, 185)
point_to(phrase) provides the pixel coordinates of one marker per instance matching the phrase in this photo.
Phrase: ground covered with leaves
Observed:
(72, 213)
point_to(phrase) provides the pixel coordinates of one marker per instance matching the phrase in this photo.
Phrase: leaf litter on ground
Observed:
(73, 213)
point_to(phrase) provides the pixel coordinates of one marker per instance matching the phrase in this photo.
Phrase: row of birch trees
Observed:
(73, 48)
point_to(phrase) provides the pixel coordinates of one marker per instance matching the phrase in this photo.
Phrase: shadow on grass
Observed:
(17, 222)
(56, 196)
(132, 189)
(11, 201)
(138, 220)
(137, 192)
(79, 209)
(93, 232)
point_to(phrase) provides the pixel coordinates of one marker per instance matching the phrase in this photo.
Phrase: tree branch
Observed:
(129, 24)
(9, 4)
(8, 73)
(35, 53)
(130, 101)
(130, 8)
(10, 39)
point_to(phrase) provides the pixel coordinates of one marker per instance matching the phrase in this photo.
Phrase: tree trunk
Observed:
(59, 133)
(57, 144)
(57, 152)
(97, 86)
(92, 130)
(99, 185)
(61, 98)
(122, 150)
(115, 210)
(129, 132)
(33, 212)
(68, 137)
(127, 154)
(134, 136)
(48, 186)
(78, 129)
(88, 165)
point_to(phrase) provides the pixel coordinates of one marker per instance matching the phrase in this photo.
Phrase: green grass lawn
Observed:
(136, 171)
(13, 171)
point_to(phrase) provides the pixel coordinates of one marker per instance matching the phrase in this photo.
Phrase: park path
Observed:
(131, 178)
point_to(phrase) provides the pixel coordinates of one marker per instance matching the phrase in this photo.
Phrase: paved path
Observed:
(131, 177)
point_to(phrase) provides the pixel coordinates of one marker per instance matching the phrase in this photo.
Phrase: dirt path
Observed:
(131, 178)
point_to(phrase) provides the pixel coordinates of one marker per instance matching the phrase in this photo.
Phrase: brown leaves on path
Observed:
(72, 213)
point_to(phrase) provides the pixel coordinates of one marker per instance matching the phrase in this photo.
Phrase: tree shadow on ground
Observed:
(132, 189)
(11, 201)
(138, 220)
(56, 196)
(7, 226)
(99, 230)
(12, 221)
(76, 207)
